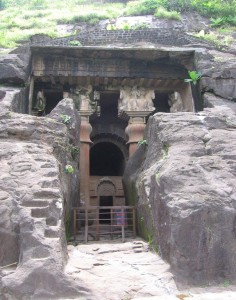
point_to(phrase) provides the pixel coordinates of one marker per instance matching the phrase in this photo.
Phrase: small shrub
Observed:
(194, 77)
(141, 26)
(74, 152)
(217, 22)
(142, 7)
(75, 43)
(142, 142)
(218, 40)
(69, 169)
(162, 13)
(177, 5)
(66, 119)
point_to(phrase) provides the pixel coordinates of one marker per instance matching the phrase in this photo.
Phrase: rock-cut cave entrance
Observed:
(107, 163)
(106, 159)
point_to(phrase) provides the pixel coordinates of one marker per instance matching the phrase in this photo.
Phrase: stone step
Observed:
(51, 221)
(50, 183)
(52, 233)
(40, 212)
(46, 193)
(35, 203)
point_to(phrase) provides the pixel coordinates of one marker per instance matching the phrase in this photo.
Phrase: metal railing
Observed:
(104, 221)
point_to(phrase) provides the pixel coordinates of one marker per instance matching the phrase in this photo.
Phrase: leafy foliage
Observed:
(142, 7)
(75, 43)
(65, 119)
(142, 142)
(161, 12)
(194, 77)
(69, 169)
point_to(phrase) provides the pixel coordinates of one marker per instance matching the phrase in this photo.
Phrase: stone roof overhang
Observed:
(177, 54)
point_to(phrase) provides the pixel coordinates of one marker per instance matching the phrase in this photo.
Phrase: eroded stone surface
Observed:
(117, 270)
(131, 271)
(186, 192)
(34, 194)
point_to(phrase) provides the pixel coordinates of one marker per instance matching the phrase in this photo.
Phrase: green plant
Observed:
(177, 5)
(75, 43)
(142, 142)
(69, 169)
(65, 119)
(74, 151)
(226, 283)
(142, 7)
(161, 12)
(141, 26)
(194, 77)
(122, 26)
(218, 21)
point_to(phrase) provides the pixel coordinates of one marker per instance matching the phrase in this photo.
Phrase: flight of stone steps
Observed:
(43, 205)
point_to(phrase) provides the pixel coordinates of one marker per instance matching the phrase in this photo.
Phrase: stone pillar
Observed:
(135, 104)
(88, 106)
(135, 132)
(85, 142)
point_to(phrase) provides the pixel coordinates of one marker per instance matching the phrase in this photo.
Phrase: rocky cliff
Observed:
(185, 192)
(36, 195)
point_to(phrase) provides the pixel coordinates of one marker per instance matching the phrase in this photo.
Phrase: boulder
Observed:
(186, 193)
(14, 68)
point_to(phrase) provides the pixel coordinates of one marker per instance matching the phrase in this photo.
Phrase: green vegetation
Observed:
(194, 77)
(75, 152)
(65, 119)
(75, 43)
(69, 169)
(20, 19)
(142, 142)
(162, 13)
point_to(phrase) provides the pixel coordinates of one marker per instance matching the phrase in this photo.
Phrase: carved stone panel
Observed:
(136, 99)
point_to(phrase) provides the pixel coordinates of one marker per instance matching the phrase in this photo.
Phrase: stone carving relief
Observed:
(106, 187)
(40, 101)
(86, 100)
(136, 99)
(176, 103)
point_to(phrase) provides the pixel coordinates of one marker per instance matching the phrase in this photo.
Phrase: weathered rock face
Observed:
(186, 192)
(35, 192)
(218, 71)
(13, 99)
(14, 67)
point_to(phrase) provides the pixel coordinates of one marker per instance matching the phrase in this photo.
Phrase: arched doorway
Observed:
(106, 159)
(107, 164)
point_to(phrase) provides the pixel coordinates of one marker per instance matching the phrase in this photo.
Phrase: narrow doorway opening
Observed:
(161, 102)
(105, 213)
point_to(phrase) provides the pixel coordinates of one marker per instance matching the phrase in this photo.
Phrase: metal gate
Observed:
(107, 222)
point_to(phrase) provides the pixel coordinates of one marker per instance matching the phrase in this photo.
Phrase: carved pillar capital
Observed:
(135, 99)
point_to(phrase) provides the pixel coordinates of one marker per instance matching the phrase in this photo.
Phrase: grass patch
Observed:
(19, 23)
(162, 13)
(141, 7)
(217, 39)
(26, 18)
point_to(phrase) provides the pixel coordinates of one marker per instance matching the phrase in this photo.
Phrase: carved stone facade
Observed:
(115, 91)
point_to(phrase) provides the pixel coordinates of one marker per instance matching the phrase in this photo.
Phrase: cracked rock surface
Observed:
(113, 270)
